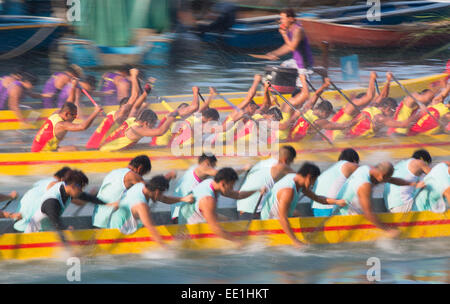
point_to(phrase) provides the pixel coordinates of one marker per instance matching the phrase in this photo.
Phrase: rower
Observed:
(436, 194)
(191, 178)
(408, 107)
(372, 119)
(56, 199)
(4, 197)
(282, 199)
(330, 182)
(116, 85)
(134, 207)
(132, 130)
(30, 201)
(115, 184)
(206, 195)
(13, 89)
(289, 119)
(167, 137)
(429, 125)
(208, 119)
(264, 173)
(56, 83)
(128, 107)
(401, 198)
(357, 191)
(348, 112)
(56, 127)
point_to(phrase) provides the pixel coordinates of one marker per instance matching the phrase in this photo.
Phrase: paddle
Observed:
(420, 105)
(377, 87)
(7, 204)
(228, 102)
(312, 88)
(254, 211)
(322, 72)
(293, 108)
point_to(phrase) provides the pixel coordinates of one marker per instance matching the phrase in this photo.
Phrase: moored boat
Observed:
(312, 230)
(21, 34)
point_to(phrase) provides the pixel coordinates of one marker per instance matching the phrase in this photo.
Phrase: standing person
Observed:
(295, 42)
(206, 196)
(134, 207)
(56, 127)
(264, 173)
(282, 199)
(56, 83)
(116, 85)
(330, 182)
(30, 201)
(436, 194)
(191, 178)
(13, 89)
(401, 198)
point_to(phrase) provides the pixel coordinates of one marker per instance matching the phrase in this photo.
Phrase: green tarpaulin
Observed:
(111, 22)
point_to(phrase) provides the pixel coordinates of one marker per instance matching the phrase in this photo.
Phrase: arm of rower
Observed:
(384, 92)
(446, 194)
(205, 105)
(321, 199)
(267, 101)
(134, 86)
(13, 102)
(251, 92)
(136, 106)
(143, 211)
(299, 99)
(287, 124)
(284, 197)
(366, 99)
(364, 193)
(75, 127)
(276, 54)
(207, 206)
(329, 125)
(313, 100)
(176, 199)
(400, 182)
(193, 107)
(155, 132)
(239, 194)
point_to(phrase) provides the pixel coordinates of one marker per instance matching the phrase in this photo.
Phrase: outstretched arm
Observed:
(77, 127)
(285, 197)
(208, 207)
(193, 107)
(385, 92)
(313, 100)
(298, 100)
(142, 210)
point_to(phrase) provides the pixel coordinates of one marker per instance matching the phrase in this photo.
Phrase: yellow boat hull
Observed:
(46, 163)
(9, 121)
(321, 230)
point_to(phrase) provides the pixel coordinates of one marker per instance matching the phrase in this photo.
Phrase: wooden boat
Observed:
(21, 34)
(262, 32)
(163, 159)
(351, 35)
(9, 121)
(312, 230)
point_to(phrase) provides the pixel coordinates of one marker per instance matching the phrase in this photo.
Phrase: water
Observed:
(406, 261)
(194, 63)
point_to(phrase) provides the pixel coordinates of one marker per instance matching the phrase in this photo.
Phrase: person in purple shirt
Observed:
(71, 92)
(116, 86)
(295, 42)
(56, 83)
(13, 89)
